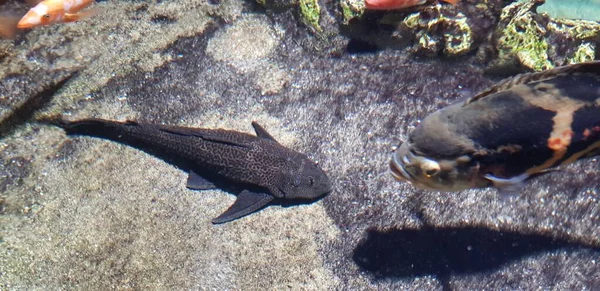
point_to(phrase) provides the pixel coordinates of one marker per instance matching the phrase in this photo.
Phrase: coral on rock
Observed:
(435, 29)
(525, 39)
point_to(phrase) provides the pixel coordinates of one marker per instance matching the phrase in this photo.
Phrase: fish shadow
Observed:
(26, 111)
(441, 252)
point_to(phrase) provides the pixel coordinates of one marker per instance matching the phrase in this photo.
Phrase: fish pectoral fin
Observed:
(262, 132)
(72, 17)
(508, 187)
(197, 182)
(247, 202)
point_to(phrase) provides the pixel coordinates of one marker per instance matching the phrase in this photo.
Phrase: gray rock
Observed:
(84, 213)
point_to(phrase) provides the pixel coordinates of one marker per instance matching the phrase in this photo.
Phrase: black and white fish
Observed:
(260, 166)
(518, 129)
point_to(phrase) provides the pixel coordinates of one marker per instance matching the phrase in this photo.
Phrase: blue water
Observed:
(581, 9)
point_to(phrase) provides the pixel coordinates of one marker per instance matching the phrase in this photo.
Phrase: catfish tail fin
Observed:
(56, 120)
(90, 126)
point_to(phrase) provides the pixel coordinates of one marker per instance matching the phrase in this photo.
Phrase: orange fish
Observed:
(55, 11)
(397, 4)
(44, 13)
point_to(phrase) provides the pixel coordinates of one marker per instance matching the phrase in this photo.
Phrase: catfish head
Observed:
(303, 179)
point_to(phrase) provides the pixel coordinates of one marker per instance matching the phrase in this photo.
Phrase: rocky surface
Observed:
(527, 40)
(85, 213)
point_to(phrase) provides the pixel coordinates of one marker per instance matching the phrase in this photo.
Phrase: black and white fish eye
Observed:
(430, 168)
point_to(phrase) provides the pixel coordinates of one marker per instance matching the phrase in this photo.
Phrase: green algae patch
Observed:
(522, 37)
(311, 13)
(579, 29)
(352, 9)
(437, 30)
(459, 38)
(584, 53)
(536, 42)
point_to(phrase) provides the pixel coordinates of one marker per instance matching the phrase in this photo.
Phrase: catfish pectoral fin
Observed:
(246, 203)
(197, 182)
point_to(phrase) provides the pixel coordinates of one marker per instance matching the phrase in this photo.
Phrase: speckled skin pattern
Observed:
(235, 156)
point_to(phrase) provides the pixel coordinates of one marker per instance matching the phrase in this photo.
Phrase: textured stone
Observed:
(85, 213)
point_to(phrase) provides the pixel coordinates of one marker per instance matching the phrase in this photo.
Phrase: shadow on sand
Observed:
(449, 251)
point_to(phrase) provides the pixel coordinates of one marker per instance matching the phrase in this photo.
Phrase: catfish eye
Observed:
(430, 168)
(311, 180)
(46, 16)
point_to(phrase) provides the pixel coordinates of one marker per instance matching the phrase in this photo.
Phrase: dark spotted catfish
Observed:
(259, 165)
(518, 129)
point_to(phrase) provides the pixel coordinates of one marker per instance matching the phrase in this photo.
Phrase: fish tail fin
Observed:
(72, 17)
(56, 120)
(8, 25)
(90, 126)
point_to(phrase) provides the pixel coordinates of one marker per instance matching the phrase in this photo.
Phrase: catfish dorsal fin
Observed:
(261, 132)
(581, 68)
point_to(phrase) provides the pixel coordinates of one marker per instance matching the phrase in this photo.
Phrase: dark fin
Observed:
(276, 192)
(582, 68)
(56, 120)
(90, 126)
(262, 132)
(203, 134)
(197, 182)
(247, 202)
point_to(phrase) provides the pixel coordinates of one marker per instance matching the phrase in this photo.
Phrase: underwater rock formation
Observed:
(525, 39)
(435, 30)
(431, 29)
(93, 215)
